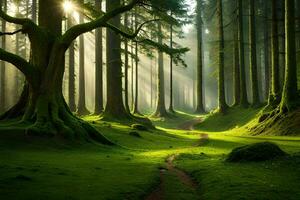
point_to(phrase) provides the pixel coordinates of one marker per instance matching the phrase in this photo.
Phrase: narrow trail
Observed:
(184, 178)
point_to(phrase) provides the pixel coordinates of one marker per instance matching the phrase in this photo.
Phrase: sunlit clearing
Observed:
(68, 6)
(207, 31)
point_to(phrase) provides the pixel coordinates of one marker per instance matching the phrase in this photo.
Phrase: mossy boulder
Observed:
(139, 127)
(255, 152)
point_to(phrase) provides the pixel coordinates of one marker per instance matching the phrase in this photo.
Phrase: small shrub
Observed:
(255, 152)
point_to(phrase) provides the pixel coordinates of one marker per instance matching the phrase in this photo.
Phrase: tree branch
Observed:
(125, 34)
(19, 62)
(10, 33)
(14, 20)
(77, 30)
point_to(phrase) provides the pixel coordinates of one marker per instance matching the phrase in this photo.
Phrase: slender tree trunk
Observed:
(244, 98)
(71, 77)
(236, 67)
(3, 5)
(126, 66)
(253, 56)
(222, 106)
(290, 93)
(33, 10)
(99, 66)
(171, 107)
(81, 107)
(161, 105)
(114, 107)
(274, 96)
(199, 104)
(266, 50)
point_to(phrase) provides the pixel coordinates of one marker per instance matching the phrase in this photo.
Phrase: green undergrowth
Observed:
(235, 117)
(46, 169)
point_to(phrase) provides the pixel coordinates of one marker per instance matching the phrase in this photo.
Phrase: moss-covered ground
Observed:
(46, 169)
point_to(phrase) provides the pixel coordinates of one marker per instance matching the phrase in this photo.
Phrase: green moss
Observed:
(255, 152)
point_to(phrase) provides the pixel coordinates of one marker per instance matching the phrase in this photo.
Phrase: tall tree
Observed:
(253, 56)
(81, 107)
(244, 96)
(114, 106)
(199, 24)
(266, 48)
(236, 64)
(71, 78)
(274, 96)
(171, 107)
(99, 65)
(289, 99)
(222, 106)
(161, 104)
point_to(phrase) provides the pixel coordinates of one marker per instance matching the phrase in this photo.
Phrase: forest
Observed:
(149, 99)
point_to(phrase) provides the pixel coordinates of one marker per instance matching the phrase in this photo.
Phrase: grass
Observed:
(45, 170)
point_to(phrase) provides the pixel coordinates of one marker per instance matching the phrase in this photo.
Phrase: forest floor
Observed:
(193, 168)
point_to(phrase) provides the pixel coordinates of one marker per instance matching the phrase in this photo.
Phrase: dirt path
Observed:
(189, 125)
(159, 192)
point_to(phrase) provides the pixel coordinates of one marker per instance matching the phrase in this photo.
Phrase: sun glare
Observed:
(207, 31)
(68, 6)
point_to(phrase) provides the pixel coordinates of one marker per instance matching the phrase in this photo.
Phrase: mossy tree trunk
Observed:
(171, 107)
(244, 96)
(290, 97)
(3, 5)
(99, 65)
(161, 105)
(200, 98)
(253, 56)
(222, 106)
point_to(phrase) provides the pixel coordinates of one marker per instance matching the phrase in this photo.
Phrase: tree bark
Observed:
(236, 66)
(222, 106)
(99, 66)
(114, 107)
(253, 56)
(200, 104)
(126, 66)
(171, 107)
(274, 96)
(266, 50)
(161, 105)
(244, 96)
(290, 94)
(71, 77)
(81, 107)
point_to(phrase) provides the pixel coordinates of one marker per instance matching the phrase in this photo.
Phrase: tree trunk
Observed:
(253, 56)
(3, 5)
(126, 66)
(222, 106)
(71, 77)
(266, 50)
(42, 106)
(236, 69)
(114, 107)
(274, 96)
(99, 66)
(161, 105)
(171, 108)
(290, 94)
(81, 107)
(244, 98)
(200, 104)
